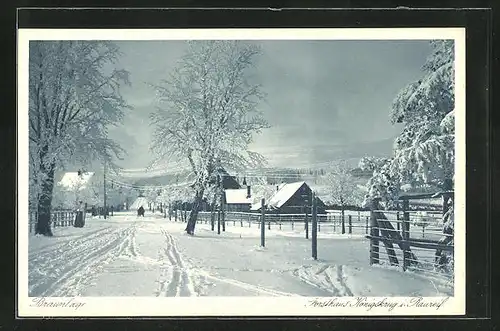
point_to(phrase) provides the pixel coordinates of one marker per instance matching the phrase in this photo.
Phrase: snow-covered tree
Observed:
(342, 187)
(371, 163)
(68, 197)
(61, 198)
(424, 153)
(151, 193)
(261, 188)
(73, 97)
(207, 113)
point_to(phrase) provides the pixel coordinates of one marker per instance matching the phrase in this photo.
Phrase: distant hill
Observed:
(273, 175)
(166, 179)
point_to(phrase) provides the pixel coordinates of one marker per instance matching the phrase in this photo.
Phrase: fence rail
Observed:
(331, 223)
(326, 223)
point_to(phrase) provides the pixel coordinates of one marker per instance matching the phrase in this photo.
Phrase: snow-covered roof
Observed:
(238, 196)
(71, 180)
(255, 206)
(284, 194)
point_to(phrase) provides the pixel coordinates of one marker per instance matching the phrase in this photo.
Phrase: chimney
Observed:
(249, 195)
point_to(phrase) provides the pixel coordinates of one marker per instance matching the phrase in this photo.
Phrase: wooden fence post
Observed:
(350, 224)
(306, 225)
(314, 228)
(366, 230)
(342, 219)
(405, 232)
(222, 210)
(374, 234)
(212, 217)
(218, 221)
(262, 225)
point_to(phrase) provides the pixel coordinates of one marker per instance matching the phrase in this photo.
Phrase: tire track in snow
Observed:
(247, 286)
(181, 283)
(78, 265)
(71, 242)
(173, 286)
(128, 247)
(187, 288)
(55, 260)
(73, 281)
(162, 279)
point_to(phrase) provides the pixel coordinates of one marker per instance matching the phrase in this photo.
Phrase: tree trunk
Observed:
(194, 211)
(391, 253)
(212, 217)
(388, 231)
(185, 211)
(45, 203)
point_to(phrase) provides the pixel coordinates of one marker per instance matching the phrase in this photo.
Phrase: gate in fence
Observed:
(414, 235)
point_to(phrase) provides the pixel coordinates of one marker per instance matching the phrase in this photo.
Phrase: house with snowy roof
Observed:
(291, 198)
(238, 199)
(76, 180)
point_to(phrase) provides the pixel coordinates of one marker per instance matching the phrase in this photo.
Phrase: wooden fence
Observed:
(327, 223)
(411, 240)
(59, 218)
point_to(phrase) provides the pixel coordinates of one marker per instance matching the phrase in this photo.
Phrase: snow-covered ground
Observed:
(152, 256)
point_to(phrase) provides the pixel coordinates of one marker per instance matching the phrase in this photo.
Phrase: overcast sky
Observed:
(326, 99)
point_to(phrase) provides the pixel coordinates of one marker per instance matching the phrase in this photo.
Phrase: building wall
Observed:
(237, 207)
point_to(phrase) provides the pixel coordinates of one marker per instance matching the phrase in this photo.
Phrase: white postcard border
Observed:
(237, 306)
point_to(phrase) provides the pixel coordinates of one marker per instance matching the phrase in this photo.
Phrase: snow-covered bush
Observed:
(447, 261)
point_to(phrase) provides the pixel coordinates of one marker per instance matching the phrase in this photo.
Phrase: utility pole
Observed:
(314, 227)
(104, 182)
(307, 218)
(262, 222)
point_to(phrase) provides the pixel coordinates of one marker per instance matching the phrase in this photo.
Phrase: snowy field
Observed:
(152, 256)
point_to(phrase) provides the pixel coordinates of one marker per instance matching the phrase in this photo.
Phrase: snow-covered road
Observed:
(151, 256)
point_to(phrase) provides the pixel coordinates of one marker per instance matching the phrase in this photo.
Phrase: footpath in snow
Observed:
(152, 256)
